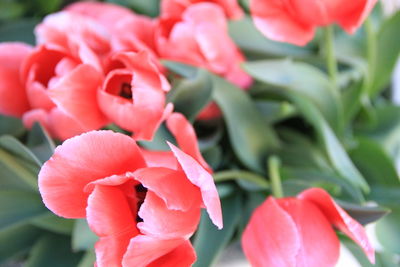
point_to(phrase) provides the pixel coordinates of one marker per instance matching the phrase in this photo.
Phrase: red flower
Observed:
(199, 36)
(173, 7)
(13, 100)
(143, 215)
(297, 232)
(295, 21)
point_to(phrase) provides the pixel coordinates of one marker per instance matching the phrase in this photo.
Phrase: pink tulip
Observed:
(174, 7)
(298, 232)
(13, 100)
(295, 21)
(143, 215)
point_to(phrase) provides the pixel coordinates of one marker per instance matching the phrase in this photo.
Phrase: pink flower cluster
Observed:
(98, 63)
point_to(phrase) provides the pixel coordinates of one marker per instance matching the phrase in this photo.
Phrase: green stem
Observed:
(371, 55)
(244, 175)
(331, 63)
(19, 170)
(274, 176)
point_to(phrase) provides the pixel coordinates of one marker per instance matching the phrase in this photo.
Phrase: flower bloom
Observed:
(230, 7)
(295, 21)
(297, 232)
(13, 100)
(143, 213)
(198, 35)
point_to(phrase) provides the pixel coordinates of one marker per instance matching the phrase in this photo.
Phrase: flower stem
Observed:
(331, 63)
(274, 175)
(244, 175)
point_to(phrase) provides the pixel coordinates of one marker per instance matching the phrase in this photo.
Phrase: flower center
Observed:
(126, 90)
(140, 196)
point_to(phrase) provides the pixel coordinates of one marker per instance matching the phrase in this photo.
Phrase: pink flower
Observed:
(13, 100)
(143, 215)
(133, 94)
(173, 7)
(297, 232)
(295, 21)
(198, 36)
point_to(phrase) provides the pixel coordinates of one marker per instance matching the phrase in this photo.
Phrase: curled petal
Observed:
(163, 223)
(186, 138)
(271, 237)
(339, 218)
(110, 217)
(81, 160)
(160, 159)
(273, 20)
(203, 179)
(171, 186)
(352, 18)
(13, 100)
(143, 250)
(76, 95)
(183, 256)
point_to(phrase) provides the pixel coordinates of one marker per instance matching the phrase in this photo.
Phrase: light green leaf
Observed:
(51, 222)
(82, 237)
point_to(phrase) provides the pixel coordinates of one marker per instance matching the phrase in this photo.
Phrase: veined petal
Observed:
(164, 223)
(203, 179)
(271, 238)
(81, 160)
(171, 186)
(339, 218)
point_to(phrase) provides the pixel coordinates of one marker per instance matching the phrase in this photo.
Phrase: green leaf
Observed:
(88, 259)
(303, 79)
(190, 96)
(20, 30)
(338, 156)
(148, 7)
(53, 223)
(275, 111)
(40, 143)
(387, 51)
(17, 239)
(11, 126)
(19, 207)
(251, 138)
(254, 44)
(82, 237)
(53, 250)
(209, 241)
(363, 214)
(388, 232)
(17, 149)
(374, 163)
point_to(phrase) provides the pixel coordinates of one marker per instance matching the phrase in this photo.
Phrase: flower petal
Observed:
(312, 224)
(81, 160)
(160, 159)
(76, 95)
(186, 138)
(110, 217)
(271, 237)
(203, 179)
(339, 218)
(272, 19)
(143, 250)
(182, 256)
(171, 186)
(161, 222)
(13, 100)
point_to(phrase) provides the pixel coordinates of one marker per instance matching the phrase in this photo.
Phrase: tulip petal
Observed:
(203, 179)
(81, 160)
(171, 186)
(13, 100)
(76, 95)
(312, 224)
(272, 19)
(271, 237)
(143, 250)
(161, 222)
(352, 18)
(110, 217)
(182, 256)
(186, 138)
(339, 218)
(160, 159)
